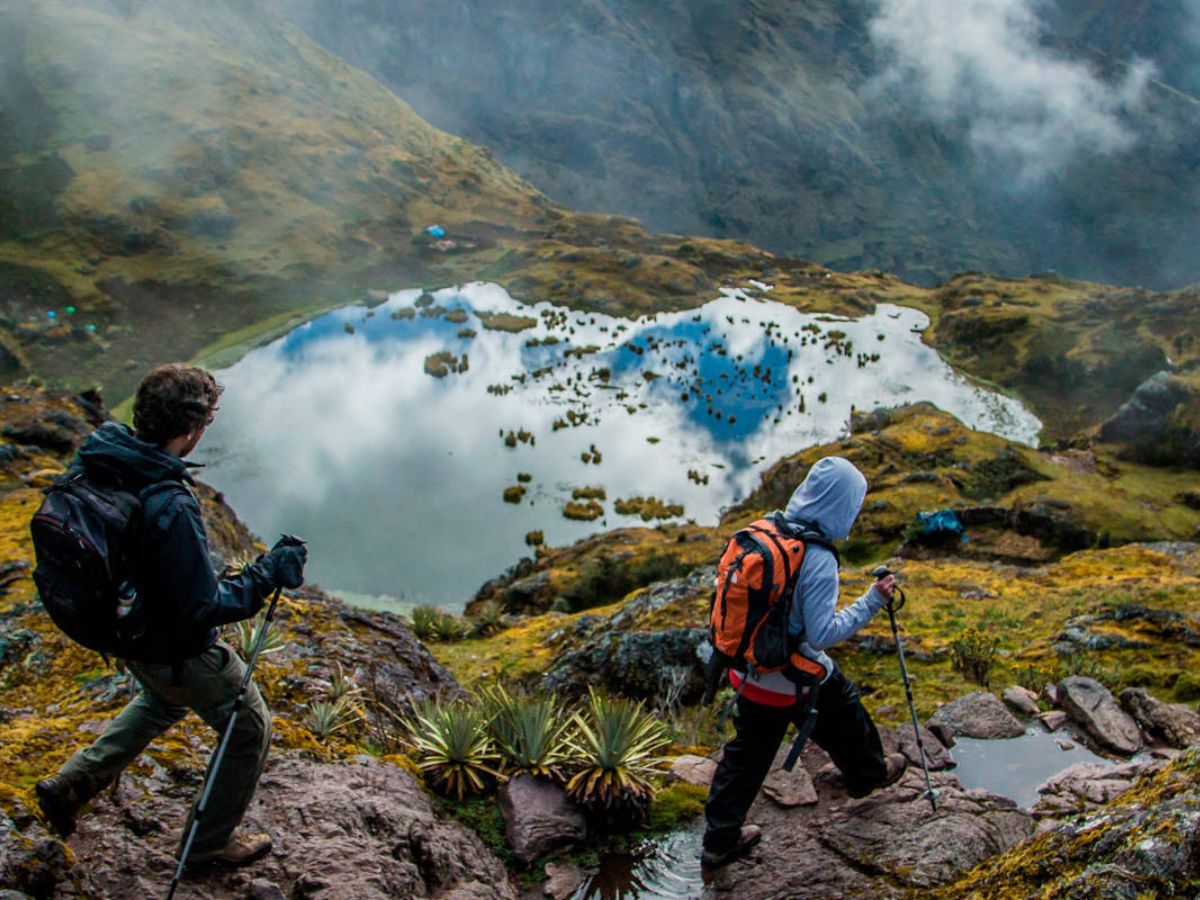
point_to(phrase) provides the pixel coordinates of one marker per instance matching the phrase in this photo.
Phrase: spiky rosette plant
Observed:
(529, 733)
(616, 745)
(326, 718)
(452, 746)
(246, 632)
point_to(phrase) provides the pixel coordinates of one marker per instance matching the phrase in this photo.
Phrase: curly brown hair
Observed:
(174, 400)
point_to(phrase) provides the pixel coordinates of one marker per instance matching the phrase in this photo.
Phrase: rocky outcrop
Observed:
(1143, 843)
(641, 664)
(903, 740)
(1174, 723)
(979, 715)
(339, 831)
(1087, 785)
(885, 845)
(538, 818)
(1090, 704)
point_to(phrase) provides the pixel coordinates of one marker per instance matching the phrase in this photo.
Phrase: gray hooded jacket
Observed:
(828, 501)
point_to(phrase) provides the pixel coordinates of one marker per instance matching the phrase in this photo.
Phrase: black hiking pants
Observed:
(844, 730)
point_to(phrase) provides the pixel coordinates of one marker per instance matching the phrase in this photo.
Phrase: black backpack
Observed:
(85, 538)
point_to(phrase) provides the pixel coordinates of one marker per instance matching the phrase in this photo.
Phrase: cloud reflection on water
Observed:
(337, 433)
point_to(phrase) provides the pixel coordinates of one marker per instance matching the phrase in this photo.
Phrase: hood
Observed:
(829, 498)
(114, 453)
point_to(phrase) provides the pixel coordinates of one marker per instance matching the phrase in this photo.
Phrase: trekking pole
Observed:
(892, 608)
(215, 764)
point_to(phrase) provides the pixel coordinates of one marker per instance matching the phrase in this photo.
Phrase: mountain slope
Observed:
(762, 120)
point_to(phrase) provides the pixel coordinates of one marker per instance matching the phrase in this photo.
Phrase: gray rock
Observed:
(1090, 704)
(1021, 700)
(261, 889)
(633, 663)
(978, 715)
(788, 789)
(562, 881)
(697, 770)
(1174, 723)
(902, 740)
(538, 818)
(1054, 719)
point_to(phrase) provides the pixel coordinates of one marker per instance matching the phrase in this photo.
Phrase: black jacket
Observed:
(184, 602)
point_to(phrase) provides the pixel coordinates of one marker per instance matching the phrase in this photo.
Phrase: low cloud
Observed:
(981, 64)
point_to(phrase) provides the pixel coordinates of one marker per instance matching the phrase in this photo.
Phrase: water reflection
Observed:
(336, 431)
(667, 868)
(1016, 767)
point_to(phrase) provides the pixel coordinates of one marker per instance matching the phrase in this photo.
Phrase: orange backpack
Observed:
(750, 609)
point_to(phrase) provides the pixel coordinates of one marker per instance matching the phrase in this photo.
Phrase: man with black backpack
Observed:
(773, 617)
(132, 490)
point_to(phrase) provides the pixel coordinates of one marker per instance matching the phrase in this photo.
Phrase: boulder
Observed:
(1021, 700)
(562, 881)
(788, 789)
(902, 740)
(978, 715)
(1090, 704)
(697, 770)
(538, 818)
(1174, 723)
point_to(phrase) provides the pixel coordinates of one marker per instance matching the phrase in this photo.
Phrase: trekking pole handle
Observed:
(898, 596)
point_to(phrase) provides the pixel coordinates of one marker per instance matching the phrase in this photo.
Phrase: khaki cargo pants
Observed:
(207, 685)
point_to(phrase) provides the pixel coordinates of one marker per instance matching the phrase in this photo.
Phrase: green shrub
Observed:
(972, 654)
(1187, 687)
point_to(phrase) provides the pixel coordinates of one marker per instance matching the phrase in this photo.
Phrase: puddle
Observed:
(668, 868)
(1015, 767)
(336, 432)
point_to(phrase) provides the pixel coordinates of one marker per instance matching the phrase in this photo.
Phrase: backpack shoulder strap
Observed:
(806, 533)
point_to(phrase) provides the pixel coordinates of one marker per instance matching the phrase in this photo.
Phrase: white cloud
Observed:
(981, 63)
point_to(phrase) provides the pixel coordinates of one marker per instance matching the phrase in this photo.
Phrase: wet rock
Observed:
(538, 818)
(1174, 723)
(1085, 785)
(788, 789)
(1021, 700)
(979, 715)
(562, 881)
(697, 770)
(1090, 704)
(902, 740)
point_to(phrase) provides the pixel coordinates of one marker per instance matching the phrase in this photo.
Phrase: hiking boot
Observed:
(241, 850)
(714, 859)
(896, 764)
(60, 801)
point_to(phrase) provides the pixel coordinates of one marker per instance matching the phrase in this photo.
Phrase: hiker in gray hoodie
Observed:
(827, 502)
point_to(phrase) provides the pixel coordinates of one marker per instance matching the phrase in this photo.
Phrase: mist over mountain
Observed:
(919, 137)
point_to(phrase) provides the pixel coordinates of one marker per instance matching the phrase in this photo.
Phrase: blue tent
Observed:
(436, 231)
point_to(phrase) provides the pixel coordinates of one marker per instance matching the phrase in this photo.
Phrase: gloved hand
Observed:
(283, 564)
